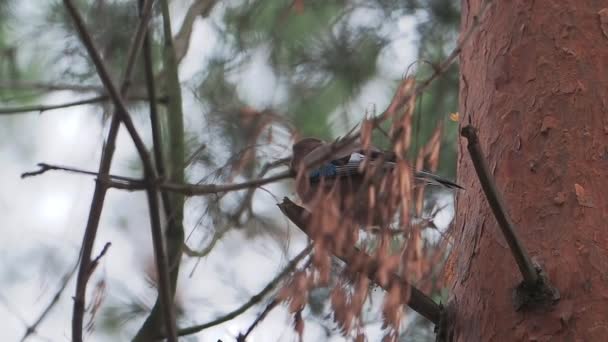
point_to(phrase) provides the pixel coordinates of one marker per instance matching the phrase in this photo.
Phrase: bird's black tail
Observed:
(432, 179)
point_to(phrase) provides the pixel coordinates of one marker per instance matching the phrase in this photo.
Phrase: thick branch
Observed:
(536, 289)
(498, 208)
(416, 300)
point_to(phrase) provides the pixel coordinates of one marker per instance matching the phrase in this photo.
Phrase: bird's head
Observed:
(301, 149)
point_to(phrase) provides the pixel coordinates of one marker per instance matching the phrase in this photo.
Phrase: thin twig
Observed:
(273, 304)
(65, 280)
(247, 199)
(206, 189)
(253, 301)
(201, 189)
(134, 184)
(40, 108)
(217, 236)
(44, 167)
(34, 85)
(526, 267)
(416, 300)
(43, 108)
(103, 252)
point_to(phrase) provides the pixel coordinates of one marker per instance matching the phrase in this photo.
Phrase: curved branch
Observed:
(253, 301)
(416, 300)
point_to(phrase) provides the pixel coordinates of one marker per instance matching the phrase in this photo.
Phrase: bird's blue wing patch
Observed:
(327, 170)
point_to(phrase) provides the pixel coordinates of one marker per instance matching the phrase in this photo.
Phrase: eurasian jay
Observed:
(342, 179)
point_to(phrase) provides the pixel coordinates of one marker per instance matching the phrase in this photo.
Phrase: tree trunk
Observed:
(535, 83)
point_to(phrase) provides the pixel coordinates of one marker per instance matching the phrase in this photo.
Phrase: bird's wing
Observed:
(347, 169)
(350, 166)
(340, 157)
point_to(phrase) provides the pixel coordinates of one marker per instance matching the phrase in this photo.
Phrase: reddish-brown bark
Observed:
(535, 83)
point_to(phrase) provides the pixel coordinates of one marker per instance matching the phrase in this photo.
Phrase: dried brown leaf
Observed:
(298, 324)
(391, 309)
(403, 95)
(360, 294)
(367, 127)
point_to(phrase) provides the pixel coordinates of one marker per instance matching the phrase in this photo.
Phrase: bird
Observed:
(344, 180)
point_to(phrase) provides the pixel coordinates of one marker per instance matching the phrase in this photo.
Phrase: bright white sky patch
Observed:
(54, 207)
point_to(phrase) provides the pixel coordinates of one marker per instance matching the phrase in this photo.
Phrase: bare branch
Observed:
(202, 189)
(28, 85)
(44, 108)
(103, 252)
(498, 208)
(133, 184)
(206, 189)
(44, 167)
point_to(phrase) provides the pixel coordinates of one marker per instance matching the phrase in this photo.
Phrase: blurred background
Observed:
(254, 75)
